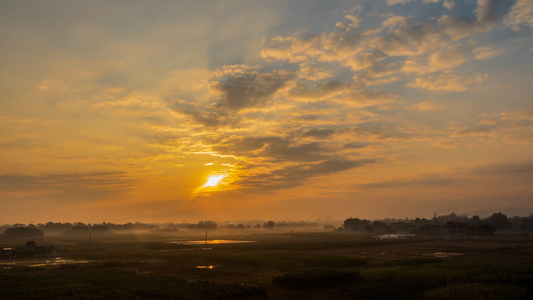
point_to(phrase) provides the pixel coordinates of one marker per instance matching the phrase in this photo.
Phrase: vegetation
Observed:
(474, 291)
(317, 278)
(277, 264)
(452, 271)
(23, 232)
(269, 225)
(110, 283)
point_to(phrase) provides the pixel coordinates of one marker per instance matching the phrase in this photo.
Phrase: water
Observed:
(205, 267)
(47, 262)
(446, 254)
(211, 242)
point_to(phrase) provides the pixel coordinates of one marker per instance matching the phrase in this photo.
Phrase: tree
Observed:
(100, 228)
(23, 232)
(500, 221)
(269, 225)
(203, 225)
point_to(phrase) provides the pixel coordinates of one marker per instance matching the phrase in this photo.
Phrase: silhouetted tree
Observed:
(269, 225)
(235, 226)
(500, 221)
(20, 232)
(55, 227)
(203, 225)
(100, 228)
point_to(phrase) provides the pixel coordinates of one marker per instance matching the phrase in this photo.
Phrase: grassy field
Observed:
(274, 265)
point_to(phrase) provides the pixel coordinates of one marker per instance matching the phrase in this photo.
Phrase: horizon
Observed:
(317, 221)
(304, 109)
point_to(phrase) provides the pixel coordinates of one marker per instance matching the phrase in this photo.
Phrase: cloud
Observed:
(272, 149)
(461, 27)
(414, 39)
(53, 84)
(353, 22)
(449, 4)
(446, 59)
(505, 169)
(485, 52)
(210, 119)
(293, 49)
(518, 115)
(447, 82)
(320, 91)
(425, 106)
(189, 84)
(395, 21)
(394, 2)
(521, 15)
(425, 180)
(387, 135)
(293, 176)
(249, 90)
(354, 145)
(76, 185)
(477, 130)
(449, 58)
(470, 175)
(319, 133)
(403, 44)
(515, 127)
(486, 10)
(309, 71)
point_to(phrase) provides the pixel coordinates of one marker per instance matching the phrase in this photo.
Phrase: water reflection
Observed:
(205, 267)
(446, 254)
(49, 262)
(211, 242)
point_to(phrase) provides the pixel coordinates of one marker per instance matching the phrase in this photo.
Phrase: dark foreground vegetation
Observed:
(104, 282)
(274, 264)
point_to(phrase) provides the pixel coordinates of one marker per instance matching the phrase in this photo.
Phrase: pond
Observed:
(43, 262)
(211, 242)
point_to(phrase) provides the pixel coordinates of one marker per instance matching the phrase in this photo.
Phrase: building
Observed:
(30, 249)
(357, 225)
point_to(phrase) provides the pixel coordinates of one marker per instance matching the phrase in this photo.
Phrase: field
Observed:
(271, 264)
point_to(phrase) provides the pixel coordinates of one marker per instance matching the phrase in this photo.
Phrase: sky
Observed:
(172, 111)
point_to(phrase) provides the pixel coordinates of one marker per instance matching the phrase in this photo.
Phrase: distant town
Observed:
(451, 225)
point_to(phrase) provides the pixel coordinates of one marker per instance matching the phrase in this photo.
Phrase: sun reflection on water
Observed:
(205, 267)
(211, 242)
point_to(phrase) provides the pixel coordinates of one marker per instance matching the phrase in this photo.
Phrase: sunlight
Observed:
(213, 180)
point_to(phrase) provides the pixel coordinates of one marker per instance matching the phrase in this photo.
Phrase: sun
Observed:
(213, 180)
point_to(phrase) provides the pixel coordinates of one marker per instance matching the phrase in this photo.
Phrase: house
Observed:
(30, 249)
(7, 252)
(357, 225)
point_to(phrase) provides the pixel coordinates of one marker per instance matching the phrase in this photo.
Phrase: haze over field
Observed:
(160, 111)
